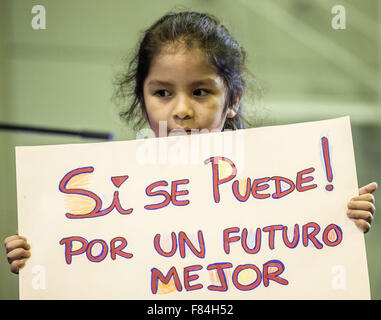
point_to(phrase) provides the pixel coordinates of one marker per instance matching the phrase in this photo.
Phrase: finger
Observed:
(18, 243)
(11, 238)
(362, 225)
(17, 254)
(362, 205)
(17, 265)
(360, 214)
(365, 197)
(369, 188)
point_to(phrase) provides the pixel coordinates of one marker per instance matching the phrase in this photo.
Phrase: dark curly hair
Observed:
(190, 29)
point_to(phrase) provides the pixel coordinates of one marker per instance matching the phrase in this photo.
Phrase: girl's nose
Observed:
(183, 109)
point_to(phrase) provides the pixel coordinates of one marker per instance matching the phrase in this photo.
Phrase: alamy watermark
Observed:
(189, 147)
(39, 277)
(39, 17)
(339, 277)
(339, 19)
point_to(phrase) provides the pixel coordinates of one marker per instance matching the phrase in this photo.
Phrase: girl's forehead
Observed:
(178, 46)
(181, 59)
(170, 51)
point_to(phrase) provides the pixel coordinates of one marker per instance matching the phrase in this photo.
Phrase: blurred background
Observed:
(62, 77)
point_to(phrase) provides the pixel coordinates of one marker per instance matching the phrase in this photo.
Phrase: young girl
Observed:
(189, 72)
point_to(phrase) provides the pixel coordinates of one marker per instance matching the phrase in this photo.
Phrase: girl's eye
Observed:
(200, 92)
(162, 93)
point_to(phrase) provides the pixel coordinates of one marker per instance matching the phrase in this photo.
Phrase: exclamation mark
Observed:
(327, 163)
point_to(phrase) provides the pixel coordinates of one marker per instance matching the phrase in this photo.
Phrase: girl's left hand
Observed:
(362, 208)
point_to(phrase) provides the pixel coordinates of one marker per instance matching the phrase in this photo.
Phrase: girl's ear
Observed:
(233, 110)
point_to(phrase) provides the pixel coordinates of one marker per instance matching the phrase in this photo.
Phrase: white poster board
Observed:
(249, 214)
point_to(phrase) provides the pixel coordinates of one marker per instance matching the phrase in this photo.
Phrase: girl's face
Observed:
(182, 89)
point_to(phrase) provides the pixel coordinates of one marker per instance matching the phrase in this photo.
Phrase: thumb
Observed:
(369, 188)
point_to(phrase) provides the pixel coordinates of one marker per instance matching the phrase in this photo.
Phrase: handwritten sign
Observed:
(249, 214)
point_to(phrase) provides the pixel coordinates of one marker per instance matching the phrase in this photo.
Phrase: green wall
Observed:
(62, 77)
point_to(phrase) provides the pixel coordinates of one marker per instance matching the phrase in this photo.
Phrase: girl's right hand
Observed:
(18, 252)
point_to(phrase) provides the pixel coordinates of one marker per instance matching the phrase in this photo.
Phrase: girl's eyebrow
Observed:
(159, 83)
(207, 81)
(204, 82)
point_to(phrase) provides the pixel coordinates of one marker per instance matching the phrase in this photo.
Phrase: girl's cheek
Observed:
(212, 120)
(157, 115)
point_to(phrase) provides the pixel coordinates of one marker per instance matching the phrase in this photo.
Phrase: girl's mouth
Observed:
(182, 131)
